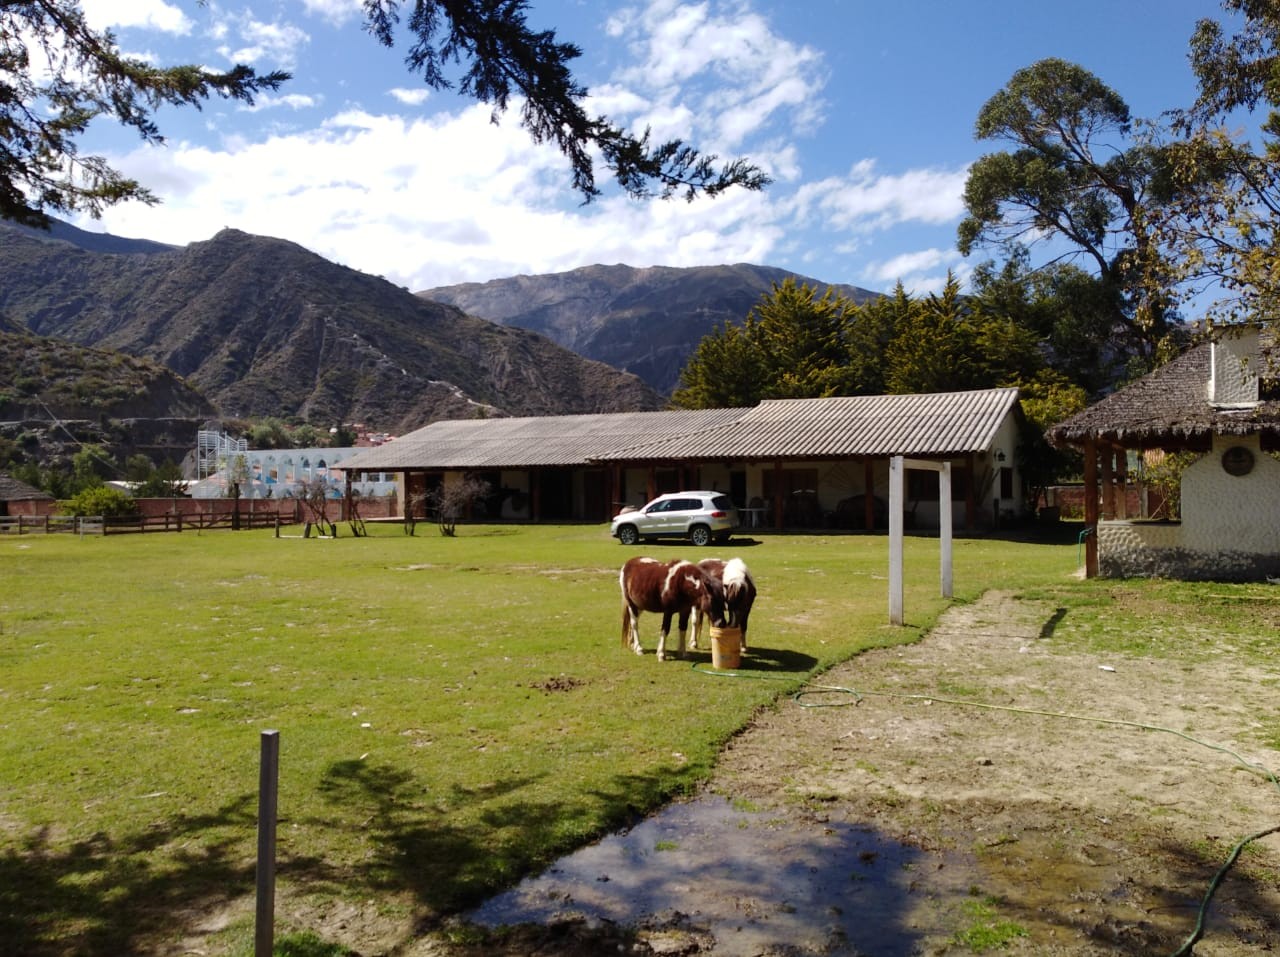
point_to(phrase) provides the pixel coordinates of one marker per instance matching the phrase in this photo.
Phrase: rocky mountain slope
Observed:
(42, 377)
(262, 327)
(647, 321)
(56, 397)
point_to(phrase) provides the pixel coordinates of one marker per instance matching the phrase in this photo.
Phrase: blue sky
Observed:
(861, 110)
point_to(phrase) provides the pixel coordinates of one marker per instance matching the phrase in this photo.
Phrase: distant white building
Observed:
(279, 473)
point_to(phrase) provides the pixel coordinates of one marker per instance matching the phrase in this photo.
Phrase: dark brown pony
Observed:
(739, 595)
(672, 588)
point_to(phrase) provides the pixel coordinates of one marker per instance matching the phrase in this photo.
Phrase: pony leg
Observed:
(695, 629)
(662, 637)
(631, 629)
(683, 626)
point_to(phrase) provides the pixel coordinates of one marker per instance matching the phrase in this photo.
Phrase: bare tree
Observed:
(451, 500)
(314, 494)
(415, 507)
(354, 519)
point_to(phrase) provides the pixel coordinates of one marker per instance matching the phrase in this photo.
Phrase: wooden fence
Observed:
(46, 524)
(98, 525)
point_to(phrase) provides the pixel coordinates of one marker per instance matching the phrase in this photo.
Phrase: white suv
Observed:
(698, 516)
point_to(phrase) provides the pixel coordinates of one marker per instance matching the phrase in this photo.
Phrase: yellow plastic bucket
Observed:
(726, 648)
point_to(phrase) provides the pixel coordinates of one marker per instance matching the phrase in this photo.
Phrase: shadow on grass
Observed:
(416, 846)
(105, 896)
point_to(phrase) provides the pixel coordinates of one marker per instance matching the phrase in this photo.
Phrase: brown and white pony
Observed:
(673, 588)
(739, 595)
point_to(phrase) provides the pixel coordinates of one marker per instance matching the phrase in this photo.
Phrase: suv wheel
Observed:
(700, 535)
(628, 535)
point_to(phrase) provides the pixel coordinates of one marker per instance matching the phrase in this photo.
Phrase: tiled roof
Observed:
(949, 423)
(1168, 407)
(11, 490)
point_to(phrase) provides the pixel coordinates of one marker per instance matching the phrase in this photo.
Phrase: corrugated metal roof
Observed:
(945, 423)
(938, 424)
(557, 440)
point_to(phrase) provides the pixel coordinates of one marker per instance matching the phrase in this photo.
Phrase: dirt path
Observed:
(1095, 837)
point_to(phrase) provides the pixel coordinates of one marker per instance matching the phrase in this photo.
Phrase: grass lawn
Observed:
(452, 712)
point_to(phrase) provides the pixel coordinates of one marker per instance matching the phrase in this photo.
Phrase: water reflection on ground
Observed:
(749, 879)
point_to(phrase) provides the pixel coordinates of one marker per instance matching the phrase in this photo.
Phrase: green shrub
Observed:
(100, 500)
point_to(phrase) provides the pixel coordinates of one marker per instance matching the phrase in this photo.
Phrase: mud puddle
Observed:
(747, 882)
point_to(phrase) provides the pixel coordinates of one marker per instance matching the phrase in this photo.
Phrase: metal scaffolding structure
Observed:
(213, 449)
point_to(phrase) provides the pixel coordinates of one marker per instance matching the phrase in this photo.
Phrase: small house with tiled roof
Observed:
(789, 463)
(19, 498)
(1214, 400)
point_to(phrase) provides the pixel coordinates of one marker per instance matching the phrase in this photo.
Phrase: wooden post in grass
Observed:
(268, 779)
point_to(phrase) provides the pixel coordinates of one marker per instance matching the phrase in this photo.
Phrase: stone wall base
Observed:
(1187, 565)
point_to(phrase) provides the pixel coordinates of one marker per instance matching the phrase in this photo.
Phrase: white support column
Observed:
(944, 526)
(898, 466)
(896, 499)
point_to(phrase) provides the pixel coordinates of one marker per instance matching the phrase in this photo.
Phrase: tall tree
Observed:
(933, 350)
(1069, 312)
(1224, 216)
(795, 344)
(724, 372)
(1077, 177)
(800, 336)
(791, 345)
(57, 74)
(871, 328)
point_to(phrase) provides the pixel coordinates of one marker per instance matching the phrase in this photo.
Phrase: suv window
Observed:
(722, 501)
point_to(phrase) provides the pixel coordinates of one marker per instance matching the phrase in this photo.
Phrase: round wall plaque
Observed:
(1237, 460)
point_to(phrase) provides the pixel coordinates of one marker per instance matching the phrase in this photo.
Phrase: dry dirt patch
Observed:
(1096, 836)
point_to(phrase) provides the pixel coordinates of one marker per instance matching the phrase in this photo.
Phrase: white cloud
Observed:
(413, 97)
(429, 199)
(428, 202)
(268, 101)
(716, 72)
(336, 12)
(864, 200)
(277, 44)
(144, 14)
(920, 272)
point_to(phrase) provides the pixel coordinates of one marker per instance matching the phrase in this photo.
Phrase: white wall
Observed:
(1221, 511)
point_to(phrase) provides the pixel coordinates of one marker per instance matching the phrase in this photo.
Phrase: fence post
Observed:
(268, 780)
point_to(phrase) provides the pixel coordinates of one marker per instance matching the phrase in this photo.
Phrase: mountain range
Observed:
(643, 320)
(263, 327)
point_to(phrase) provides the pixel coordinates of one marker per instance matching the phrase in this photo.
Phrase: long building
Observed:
(789, 463)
